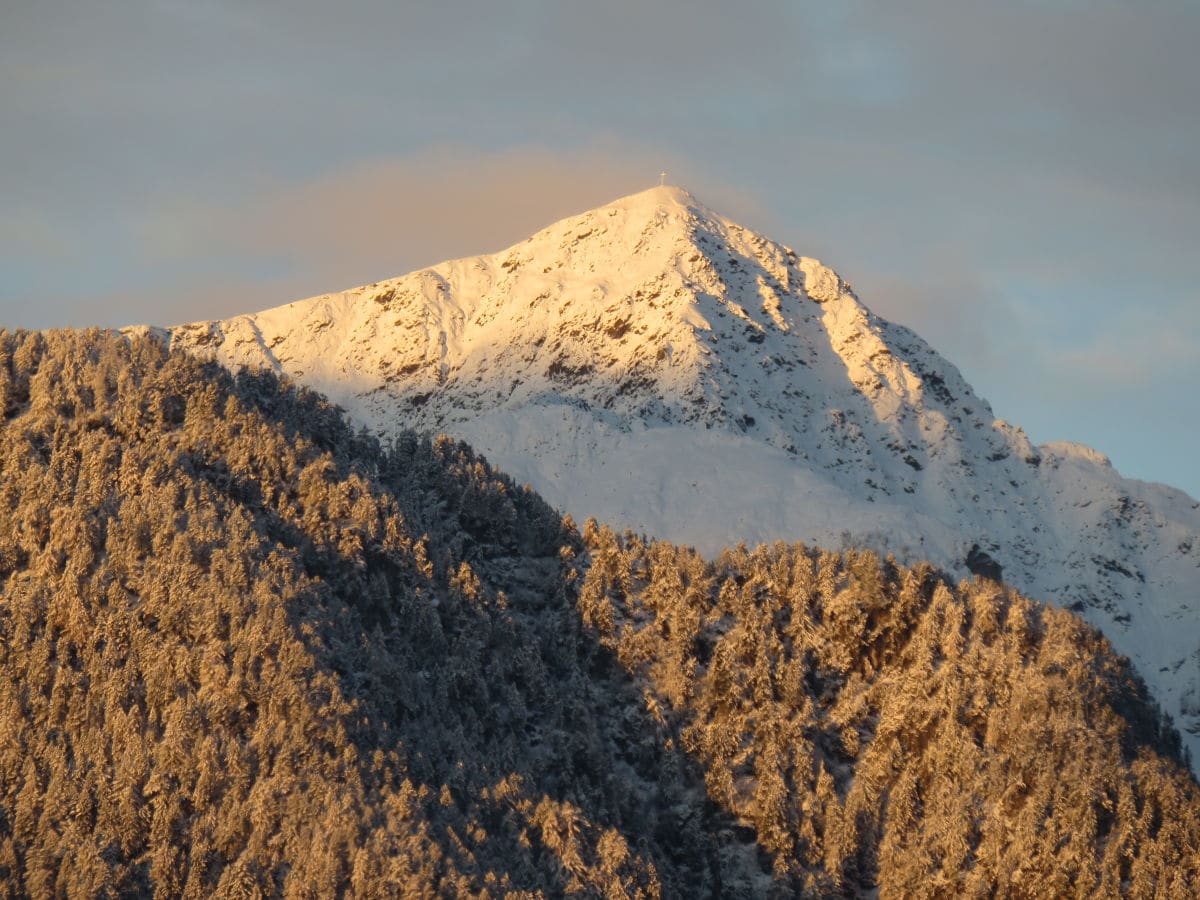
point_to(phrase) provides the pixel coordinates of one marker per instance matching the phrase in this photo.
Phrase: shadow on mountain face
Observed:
(488, 676)
(249, 650)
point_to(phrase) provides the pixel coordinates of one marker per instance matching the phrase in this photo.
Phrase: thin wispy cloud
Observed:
(384, 217)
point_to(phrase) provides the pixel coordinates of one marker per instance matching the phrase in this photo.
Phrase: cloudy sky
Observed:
(1017, 181)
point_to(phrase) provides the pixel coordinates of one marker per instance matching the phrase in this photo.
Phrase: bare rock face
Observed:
(979, 562)
(659, 367)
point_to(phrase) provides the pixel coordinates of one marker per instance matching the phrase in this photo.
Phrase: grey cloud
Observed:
(996, 174)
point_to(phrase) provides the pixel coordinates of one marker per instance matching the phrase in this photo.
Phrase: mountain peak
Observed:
(661, 196)
(656, 365)
(655, 226)
(652, 311)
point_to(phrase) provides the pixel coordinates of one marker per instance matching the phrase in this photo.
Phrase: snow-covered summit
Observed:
(656, 365)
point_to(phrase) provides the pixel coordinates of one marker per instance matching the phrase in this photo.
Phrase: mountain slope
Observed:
(655, 365)
(245, 651)
(840, 705)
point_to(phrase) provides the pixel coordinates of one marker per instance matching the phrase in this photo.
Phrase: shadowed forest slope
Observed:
(245, 651)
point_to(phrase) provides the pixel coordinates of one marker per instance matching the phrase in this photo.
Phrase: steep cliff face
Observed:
(655, 365)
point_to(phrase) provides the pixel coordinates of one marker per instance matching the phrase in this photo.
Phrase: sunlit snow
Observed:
(655, 365)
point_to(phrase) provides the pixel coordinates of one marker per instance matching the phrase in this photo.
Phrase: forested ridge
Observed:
(879, 726)
(246, 651)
